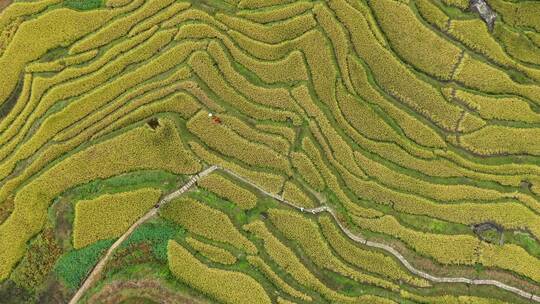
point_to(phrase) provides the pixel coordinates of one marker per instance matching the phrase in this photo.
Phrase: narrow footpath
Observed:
(389, 249)
(96, 272)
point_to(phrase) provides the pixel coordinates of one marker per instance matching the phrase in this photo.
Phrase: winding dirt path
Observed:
(96, 272)
(390, 249)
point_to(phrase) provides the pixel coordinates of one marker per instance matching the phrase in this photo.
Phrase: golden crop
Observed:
(110, 215)
(286, 132)
(207, 222)
(432, 13)
(60, 64)
(273, 33)
(336, 143)
(368, 260)
(307, 170)
(339, 39)
(518, 14)
(179, 103)
(272, 97)
(121, 26)
(229, 190)
(21, 9)
(277, 143)
(223, 285)
(499, 108)
(284, 62)
(6, 34)
(117, 3)
(388, 111)
(446, 193)
(76, 110)
(391, 74)
(253, 4)
(259, 263)
(182, 19)
(330, 178)
(448, 299)
(364, 119)
(38, 35)
(230, 143)
(462, 4)
(474, 34)
(481, 76)
(289, 262)
(413, 41)
(159, 18)
(214, 253)
(517, 45)
(281, 300)
(161, 149)
(294, 194)
(501, 139)
(306, 234)
(280, 63)
(457, 249)
(409, 124)
(47, 91)
(202, 65)
(268, 181)
(276, 13)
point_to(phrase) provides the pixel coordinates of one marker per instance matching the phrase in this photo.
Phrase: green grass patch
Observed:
(84, 5)
(213, 6)
(432, 225)
(524, 240)
(138, 300)
(73, 267)
(126, 182)
(157, 234)
(215, 201)
(54, 54)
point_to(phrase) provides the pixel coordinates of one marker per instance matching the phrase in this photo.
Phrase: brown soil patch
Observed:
(153, 123)
(54, 292)
(119, 291)
(132, 255)
(4, 4)
(6, 207)
(63, 226)
(12, 293)
(10, 102)
(38, 261)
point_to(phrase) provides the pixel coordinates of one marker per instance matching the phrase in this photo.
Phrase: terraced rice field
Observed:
(269, 151)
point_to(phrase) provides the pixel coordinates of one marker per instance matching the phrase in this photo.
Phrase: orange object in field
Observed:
(215, 119)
